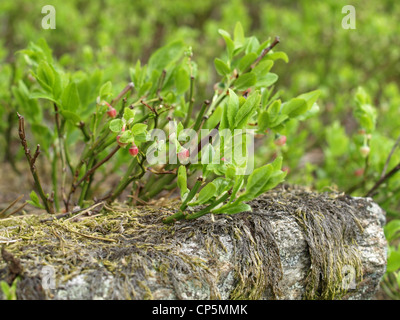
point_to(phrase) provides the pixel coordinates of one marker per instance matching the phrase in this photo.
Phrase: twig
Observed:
(16, 210)
(62, 215)
(86, 210)
(138, 199)
(148, 106)
(161, 172)
(129, 87)
(94, 168)
(126, 180)
(383, 179)
(62, 156)
(390, 156)
(265, 51)
(191, 102)
(21, 132)
(200, 115)
(11, 204)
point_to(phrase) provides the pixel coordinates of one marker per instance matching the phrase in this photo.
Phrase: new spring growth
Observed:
(281, 141)
(183, 155)
(133, 150)
(122, 145)
(112, 113)
(364, 150)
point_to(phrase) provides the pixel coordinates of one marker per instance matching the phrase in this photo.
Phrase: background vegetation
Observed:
(106, 38)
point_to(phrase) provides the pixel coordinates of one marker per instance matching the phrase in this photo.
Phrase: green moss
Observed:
(133, 243)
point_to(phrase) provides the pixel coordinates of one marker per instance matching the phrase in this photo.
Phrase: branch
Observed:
(31, 161)
(129, 87)
(383, 179)
(390, 156)
(265, 51)
(94, 168)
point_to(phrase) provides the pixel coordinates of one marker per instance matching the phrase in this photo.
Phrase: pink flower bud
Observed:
(364, 150)
(223, 159)
(133, 150)
(112, 112)
(183, 154)
(280, 141)
(359, 172)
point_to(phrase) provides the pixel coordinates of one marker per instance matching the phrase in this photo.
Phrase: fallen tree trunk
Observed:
(296, 244)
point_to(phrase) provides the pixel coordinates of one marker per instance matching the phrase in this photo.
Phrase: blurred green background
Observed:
(321, 152)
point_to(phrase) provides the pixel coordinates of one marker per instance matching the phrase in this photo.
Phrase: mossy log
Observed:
(296, 244)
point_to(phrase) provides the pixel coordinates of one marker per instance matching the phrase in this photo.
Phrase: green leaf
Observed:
(310, 97)
(182, 81)
(182, 180)
(393, 262)
(5, 288)
(222, 185)
(238, 35)
(271, 118)
(263, 120)
(262, 68)
(233, 208)
(126, 137)
(42, 95)
(267, 80)
(205, 194)
(239, 181)
(138, 128)
(247, 109)
(45, 76)
(221, 67)
(34, 197)
(230, 46)
(165, 56)
(105, 90)
(276, 178)
(215, 118)
(233, 107)
(145, 88)
(129, 114)
(70, 116)
(34, 200)
(278, 55)
(263, 179)
(392, 230)
(245, 81)
(294, 107)
(70, 98)
(275, 107)
(116, 125)
(252, 45)
(256, 181)
(246, 61)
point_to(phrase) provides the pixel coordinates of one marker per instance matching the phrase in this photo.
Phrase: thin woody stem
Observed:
(390, 157)
(129, 87)
(94, 168)
(191, 102)
(62, 156)
(265, 51)
(383, 179)
(31, 161)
